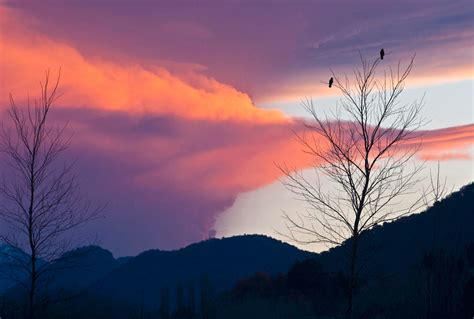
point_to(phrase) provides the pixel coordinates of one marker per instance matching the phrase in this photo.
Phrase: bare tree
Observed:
(363, 150)
(41, 201)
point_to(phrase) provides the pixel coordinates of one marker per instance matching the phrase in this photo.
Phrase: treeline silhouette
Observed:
(439, 286)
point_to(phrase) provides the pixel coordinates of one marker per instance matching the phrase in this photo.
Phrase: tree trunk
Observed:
(31, 295)
(352, 277)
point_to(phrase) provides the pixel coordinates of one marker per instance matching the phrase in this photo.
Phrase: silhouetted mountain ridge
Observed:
(222, 261)
(9, 272)
(398, 245)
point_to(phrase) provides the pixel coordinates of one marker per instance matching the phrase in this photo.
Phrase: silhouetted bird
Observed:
(331, 80)
(382, 53)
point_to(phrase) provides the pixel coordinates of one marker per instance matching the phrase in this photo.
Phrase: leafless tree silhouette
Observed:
(363, 149)
(41, 202)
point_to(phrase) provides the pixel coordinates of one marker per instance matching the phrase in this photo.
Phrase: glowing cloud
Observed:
(97, 83)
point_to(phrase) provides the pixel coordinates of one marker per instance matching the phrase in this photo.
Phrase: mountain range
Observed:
(117, 285)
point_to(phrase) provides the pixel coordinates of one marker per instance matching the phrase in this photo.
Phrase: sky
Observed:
(179, 110)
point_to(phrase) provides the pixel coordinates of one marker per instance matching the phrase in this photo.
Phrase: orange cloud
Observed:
(446, 144)
(248, 162)
(97, 83)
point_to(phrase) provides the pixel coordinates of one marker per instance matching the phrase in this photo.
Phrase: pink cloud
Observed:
(92, 82)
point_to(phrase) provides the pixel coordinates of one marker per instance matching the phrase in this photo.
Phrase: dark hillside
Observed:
(399, 245)
(222, 261)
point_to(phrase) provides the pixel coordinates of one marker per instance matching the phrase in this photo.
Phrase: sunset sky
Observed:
(180, 109)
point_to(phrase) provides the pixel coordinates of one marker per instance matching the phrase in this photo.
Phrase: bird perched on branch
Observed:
(331, 80)
(382, 53)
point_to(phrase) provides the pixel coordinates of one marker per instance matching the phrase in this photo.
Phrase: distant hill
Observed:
(221, 261)
(80, 268)
(399, 245)
(9, 271)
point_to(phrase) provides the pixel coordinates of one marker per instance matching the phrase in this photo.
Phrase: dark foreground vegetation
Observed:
(420, 266)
